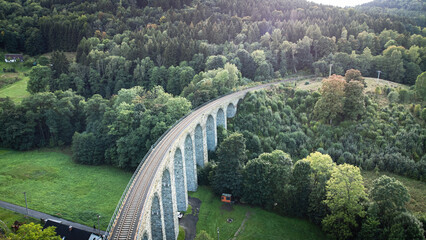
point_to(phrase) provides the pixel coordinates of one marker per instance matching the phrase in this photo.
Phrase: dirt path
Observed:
(242, 226)
(189, 221)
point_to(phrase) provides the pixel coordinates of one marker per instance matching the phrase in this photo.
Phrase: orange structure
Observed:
(226, 198)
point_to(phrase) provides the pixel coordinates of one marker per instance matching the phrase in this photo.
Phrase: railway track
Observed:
(123, 225)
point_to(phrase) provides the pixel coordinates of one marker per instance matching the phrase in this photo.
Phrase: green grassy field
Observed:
(260, 224)
(417, 189)
(57, 186)
(18, 90)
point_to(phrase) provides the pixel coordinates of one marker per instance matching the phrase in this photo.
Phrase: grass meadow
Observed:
(260, 224)
(18, 89)
(58, 186)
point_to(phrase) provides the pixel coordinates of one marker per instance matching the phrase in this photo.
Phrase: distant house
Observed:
(13, 58)
(69, 232)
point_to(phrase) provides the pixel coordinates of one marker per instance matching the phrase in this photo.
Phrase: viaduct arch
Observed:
(158, 189)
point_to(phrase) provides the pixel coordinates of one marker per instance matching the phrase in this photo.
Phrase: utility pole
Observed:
(26, 205)
(329, 74)
(217, 233)
(378, 76)
(99, 228)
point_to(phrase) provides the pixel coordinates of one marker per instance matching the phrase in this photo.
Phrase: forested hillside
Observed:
(413, 5)
(301, 153)
(140, 65)
(263, 39)
(413, 9)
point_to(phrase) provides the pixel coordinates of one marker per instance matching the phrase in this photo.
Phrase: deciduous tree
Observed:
(321, 165)
(33, 231)
(389, 197)
(421, 86)
(345, 193)
(232, 156)
(330, 106)
(40, 77)
(354, 100)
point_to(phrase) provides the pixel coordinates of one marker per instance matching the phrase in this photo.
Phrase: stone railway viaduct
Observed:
(158, 189)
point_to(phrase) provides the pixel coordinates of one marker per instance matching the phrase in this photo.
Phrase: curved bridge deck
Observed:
(126, 218)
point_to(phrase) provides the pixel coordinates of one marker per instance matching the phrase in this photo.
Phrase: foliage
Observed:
(141, 43)
(60, 65)
(321, 165)
(117, 131)
(302, 183)
(345, 194)
(43, 119)
(268, 122)
(211, 84)
(421, 86)
(181, 235)
(33, 231)
(354, 105)
(353, 74)
(228, 174)
(85, 149)
(40, 78)
(389, 197)
(330, 106)
(264, 178)
(257, 179)
(416, 188)
(203, 235)
(406, 226)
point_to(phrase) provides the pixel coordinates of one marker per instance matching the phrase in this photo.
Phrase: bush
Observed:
(204, 175)
(44, 61)
(423, 114)
(85, 149)
(416, 110)
(393, 97)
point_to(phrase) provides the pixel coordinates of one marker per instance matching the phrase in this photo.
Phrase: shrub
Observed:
(393, 97)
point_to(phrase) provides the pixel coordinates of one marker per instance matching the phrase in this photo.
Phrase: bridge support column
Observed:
(205, 148)
(199, 146)
(220, 118)
(157, 220)
(180, 183)
(231, 110)
(190, 168)
(167, 201)
(211, 133)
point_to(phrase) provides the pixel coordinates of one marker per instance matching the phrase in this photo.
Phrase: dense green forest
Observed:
(140, 65)
(405, 8)
(129, 43)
